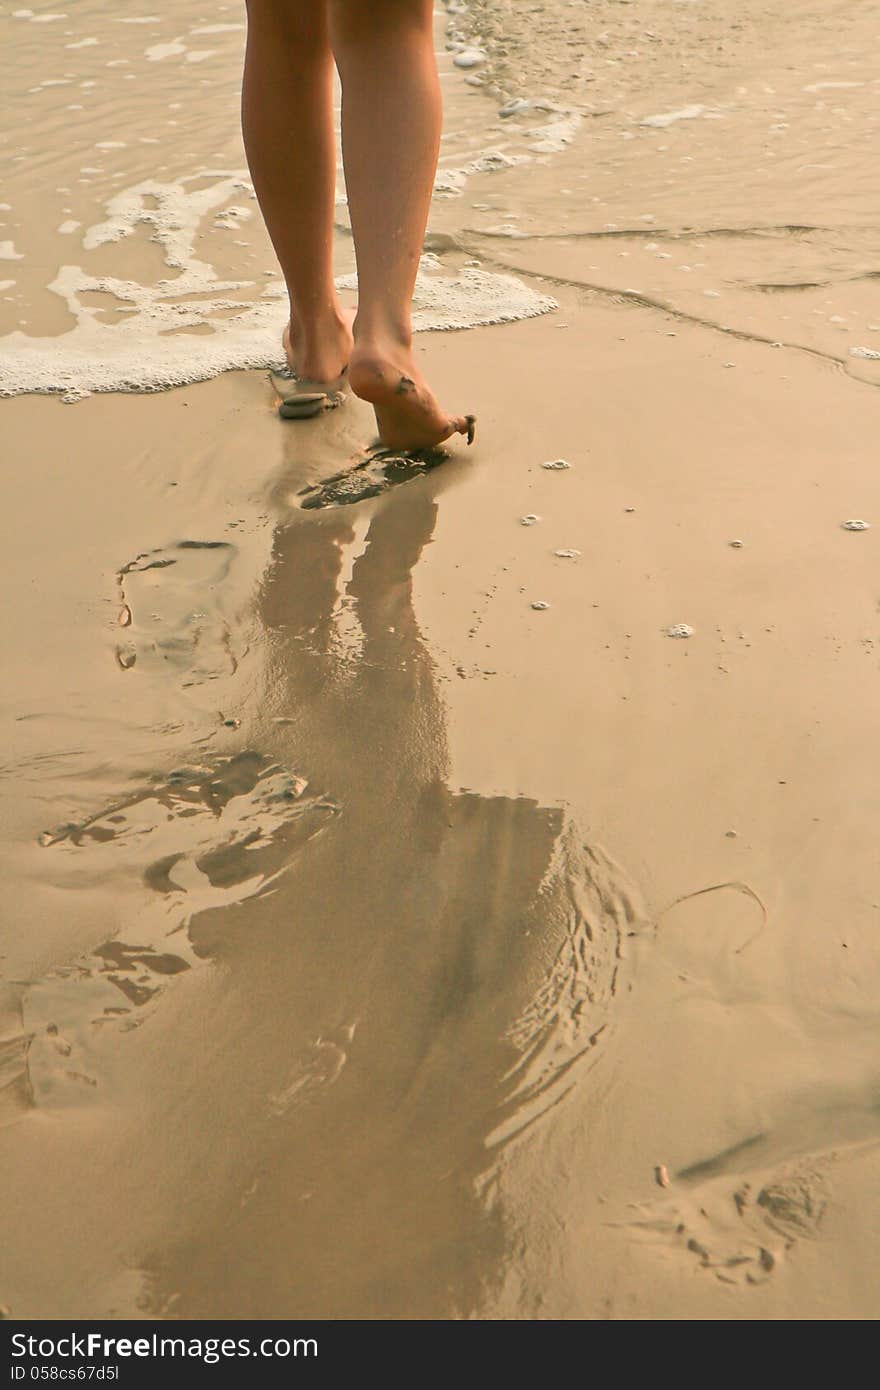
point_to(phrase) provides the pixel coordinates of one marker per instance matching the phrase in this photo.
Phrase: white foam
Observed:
(469, 299)
(8, 252)
(158, 52)
(217, 28)
(6, 284)
(825, 86)
(69, 227)
(687, 113)
(143, 352)
(82, 43)
(557, 133)
(449, 183)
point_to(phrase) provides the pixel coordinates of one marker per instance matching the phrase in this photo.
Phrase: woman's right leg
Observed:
(287, 121)
(391, 116)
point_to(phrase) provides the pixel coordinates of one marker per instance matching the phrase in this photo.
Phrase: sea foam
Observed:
(165, 337)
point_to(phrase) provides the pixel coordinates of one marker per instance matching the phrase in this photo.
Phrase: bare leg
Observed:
(287, 121)
(391, 117)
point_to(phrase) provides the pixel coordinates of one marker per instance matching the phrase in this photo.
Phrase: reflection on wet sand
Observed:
(437, 962)
(337, 988)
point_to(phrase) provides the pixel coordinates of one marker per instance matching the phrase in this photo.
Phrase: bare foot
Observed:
(407, 413)
(319, 354)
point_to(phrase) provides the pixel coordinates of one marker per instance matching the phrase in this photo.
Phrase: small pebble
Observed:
(736, 545)
(567, 554)
(680, 630)
(470, 58)
(557, 465)
(661, 1175)
(529, 520)
(232, 723)
(510, 108)
(629, 509)
(540, 604)
(856, 525)
(731, 834)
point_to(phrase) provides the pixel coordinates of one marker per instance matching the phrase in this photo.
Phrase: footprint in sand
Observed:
(738, 1229)
(171, 610)
(319, 1067)
(375, 474)
(201, 837)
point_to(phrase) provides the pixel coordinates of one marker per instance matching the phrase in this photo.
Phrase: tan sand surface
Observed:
(375, 943)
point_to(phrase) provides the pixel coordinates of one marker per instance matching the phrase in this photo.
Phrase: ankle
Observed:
(327, 321)
(388, 341)
(319, 344)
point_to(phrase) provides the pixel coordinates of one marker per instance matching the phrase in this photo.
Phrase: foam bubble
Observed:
(8, 252)
(145, 350)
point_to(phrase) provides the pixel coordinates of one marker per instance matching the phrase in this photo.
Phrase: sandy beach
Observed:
(446, 893)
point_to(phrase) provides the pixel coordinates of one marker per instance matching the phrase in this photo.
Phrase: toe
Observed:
(463, 424)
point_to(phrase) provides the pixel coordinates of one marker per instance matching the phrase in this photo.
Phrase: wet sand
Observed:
(358, 957)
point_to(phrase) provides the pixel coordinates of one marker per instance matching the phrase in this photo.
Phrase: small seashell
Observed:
(680, 630)
(567, 554)
(736, 545)
(661, 1175)
(868, 354)
(856, 525)
(557, 465)
(529, 520)
(540, 604)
